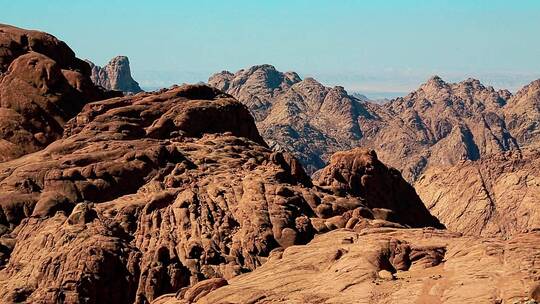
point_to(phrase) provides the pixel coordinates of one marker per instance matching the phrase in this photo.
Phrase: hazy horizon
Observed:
(373, 48)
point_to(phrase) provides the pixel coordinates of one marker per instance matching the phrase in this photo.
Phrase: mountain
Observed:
(438, 124)
(174, 196)
(42, 86)
(302, 117)
(441, 124)
(452, 140)
(116, 75)
(496, 193)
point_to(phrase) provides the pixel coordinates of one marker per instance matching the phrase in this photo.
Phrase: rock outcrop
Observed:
(431, 131)
(42, 86)
(359, 173)
(495, 196)
(388, 265)
(152, 193)
(116, 75)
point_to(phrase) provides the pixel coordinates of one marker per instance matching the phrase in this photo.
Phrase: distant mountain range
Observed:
(440, 123)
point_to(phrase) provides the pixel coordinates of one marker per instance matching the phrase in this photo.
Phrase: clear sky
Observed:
(371, 46)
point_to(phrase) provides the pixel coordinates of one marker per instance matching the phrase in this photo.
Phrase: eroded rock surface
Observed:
(499, 195)
(359, 173)
(168, 189)
(441, 124)
(42, 86)
(386, 265)
(432, 130)
(115, 75)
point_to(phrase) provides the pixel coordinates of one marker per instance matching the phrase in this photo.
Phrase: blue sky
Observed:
(371, 46)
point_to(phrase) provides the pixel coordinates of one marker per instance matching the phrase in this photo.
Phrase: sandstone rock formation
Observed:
(468, 149)
(498, 195)
(42, 86)
(151, 193)
(116, 75)
(359, 173)
(388, 265)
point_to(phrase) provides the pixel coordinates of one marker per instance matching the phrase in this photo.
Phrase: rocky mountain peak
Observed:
(173, 196)
(116, 75)
(303, 117)
(434, 82)
(256, 86)
(271, 77)
(473, 82)
(531, 90)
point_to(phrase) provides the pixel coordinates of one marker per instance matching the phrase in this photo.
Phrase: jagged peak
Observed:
(310, 79)
(436, 79)
(225, 72)
(434, 82)
(115, 75)
(310, 82)
(529, 89)
(340, 90)
(472, 82)
(264, 67)
(119, 59)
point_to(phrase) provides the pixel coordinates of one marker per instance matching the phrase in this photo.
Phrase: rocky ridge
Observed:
(173, 196)
(426, 134)
(522, 115)
(442, 124)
